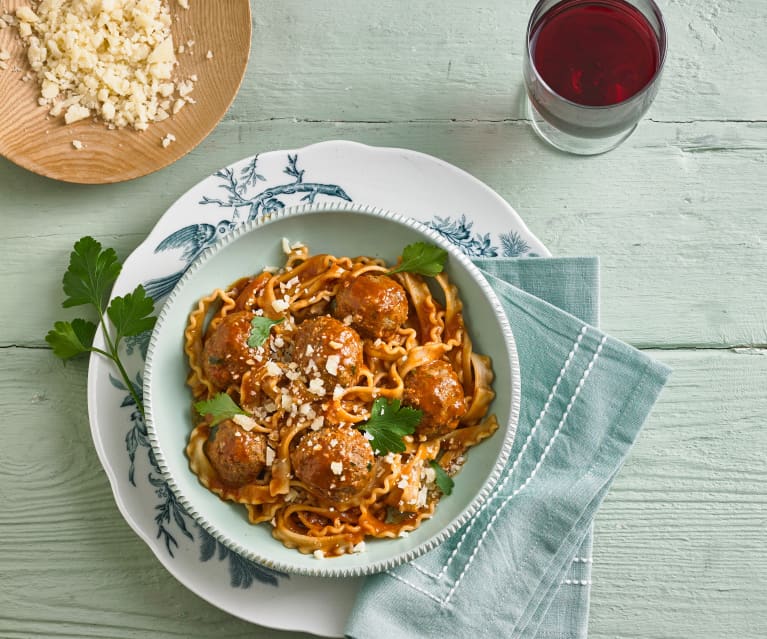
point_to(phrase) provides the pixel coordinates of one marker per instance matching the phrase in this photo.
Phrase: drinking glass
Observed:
(592, 69)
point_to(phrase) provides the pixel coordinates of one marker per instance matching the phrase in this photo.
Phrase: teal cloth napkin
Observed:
(521, 567)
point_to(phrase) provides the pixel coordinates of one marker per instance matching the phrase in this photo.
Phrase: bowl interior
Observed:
(247, 251)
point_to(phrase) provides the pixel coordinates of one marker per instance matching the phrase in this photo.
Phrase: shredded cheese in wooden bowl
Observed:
(114, 59)
(115, 75)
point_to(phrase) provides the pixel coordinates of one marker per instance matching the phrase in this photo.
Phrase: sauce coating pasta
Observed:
(342, 333)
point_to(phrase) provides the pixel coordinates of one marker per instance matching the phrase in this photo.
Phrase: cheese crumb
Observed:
(168, 140)
(209, 55)
(331, 364)
(245, 422)
(336, 467)
(77, 144)
(26, 14)
(75, 113)
(184, 4)
(317, 387)
(112, 59)
(273, 369)
(360, 547)
(318, 554)
(280, 305)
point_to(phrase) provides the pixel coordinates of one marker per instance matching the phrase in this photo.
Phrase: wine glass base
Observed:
(571, 143)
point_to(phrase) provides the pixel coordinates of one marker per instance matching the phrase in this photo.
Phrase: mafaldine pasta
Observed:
(355, 395)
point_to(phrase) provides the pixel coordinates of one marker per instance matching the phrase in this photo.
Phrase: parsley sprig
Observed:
(421, 258)
(444, 481)
(389, 422)
(92, 272)
(219, 407)
(259, 330)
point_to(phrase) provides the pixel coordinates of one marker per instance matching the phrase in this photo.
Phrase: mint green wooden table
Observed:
(677, 215)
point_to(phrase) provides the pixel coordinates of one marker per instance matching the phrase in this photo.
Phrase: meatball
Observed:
(336, 462)
(435, 389)
(376, 303)
(238, 455)
(331, 348)
(226, 354)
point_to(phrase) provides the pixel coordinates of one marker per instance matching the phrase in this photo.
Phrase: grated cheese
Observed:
(273, 369)
(245, 422)
(331, 364)
(112, 59)
(280, 305)
(317, 387)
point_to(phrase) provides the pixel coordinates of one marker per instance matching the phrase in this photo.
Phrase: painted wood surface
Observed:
(676, 214)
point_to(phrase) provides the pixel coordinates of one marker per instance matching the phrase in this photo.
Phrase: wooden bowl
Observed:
(43, 144)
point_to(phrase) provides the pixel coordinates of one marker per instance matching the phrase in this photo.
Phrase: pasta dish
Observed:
(335, 397)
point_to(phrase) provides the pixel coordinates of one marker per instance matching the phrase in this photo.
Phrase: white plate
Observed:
(458, 206)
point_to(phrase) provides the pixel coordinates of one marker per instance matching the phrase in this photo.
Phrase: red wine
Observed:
(595, 52)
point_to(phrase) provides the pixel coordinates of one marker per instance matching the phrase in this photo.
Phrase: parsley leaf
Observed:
(219, 407)
(91, 274)
(131, 313)
(444, 481)
(70, 339)
(388, 424)
(259, 331)
(423, 259)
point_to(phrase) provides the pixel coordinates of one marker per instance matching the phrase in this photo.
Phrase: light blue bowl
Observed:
(339, 230)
